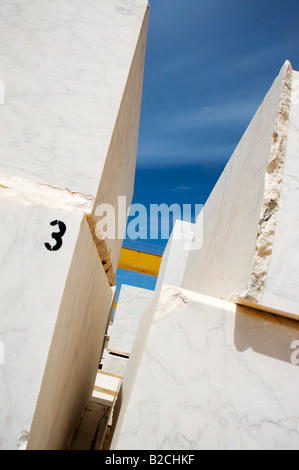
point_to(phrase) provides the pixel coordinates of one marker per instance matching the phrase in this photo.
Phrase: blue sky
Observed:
(209, 64)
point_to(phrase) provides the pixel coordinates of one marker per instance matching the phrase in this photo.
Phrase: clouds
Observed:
(199, 134)
(228, 113)
(162, 153)
(209, 64)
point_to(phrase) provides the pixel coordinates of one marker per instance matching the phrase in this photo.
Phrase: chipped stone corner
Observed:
(23, 441)
(270, 206)
(182, 297)
(32, 192)
(102, 250)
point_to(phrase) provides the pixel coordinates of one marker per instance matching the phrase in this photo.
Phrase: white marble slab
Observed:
(250, 210)
(115, 364)
(176, 254)
(132, 303)
(65, 67)
(214, 375)
(106, 389)
(54, 306)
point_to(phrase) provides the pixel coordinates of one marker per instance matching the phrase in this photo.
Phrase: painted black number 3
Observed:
(57, 236)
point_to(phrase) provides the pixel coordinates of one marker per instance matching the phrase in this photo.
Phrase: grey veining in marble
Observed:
(53, 313)
(214, 375)
(65, 66)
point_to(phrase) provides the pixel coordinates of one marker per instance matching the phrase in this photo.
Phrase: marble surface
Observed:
(114, 364)
(118, 176)
(76, 346)
(65, 78)
(73, 81)
(175, 255)
(131, 305)
(213, 375)
(250, 210)
(29, 275)
(106, 388)
(51, 323)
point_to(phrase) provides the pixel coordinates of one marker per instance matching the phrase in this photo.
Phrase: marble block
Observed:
(54, 304)
(115, 364)
(106, 388)
(171, 271)
(73, 75)
(65, 68)
(250, 221)
(175, 255)
(131, 305)
(214, 376)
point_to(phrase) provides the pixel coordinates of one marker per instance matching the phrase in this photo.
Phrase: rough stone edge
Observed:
(270, 206)
(31, 192)
(102, 249)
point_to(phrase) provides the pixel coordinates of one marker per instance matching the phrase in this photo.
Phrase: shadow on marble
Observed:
(211, 376)
(264, 333)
